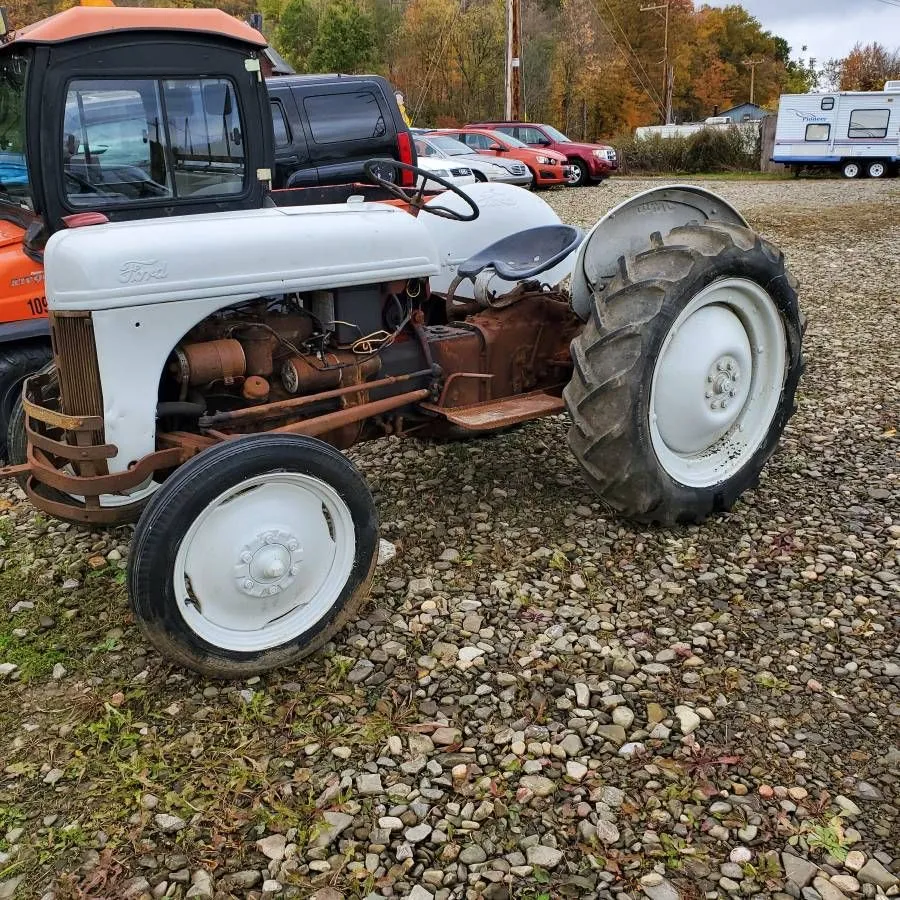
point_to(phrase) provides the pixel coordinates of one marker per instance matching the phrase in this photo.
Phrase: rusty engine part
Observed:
(300, 375)
(256, 389)
(208, 361)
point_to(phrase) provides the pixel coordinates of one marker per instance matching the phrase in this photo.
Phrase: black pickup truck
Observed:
(327, 126)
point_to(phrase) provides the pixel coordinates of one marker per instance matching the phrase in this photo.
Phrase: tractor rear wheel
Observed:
(685, 374)
(253, 554)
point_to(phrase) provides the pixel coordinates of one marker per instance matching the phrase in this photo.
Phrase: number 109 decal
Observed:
(38, 306)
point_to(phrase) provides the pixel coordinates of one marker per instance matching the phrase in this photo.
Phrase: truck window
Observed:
(818, 132)
(869, 123)
(14, 183)
(279, 123)
(142, 139)
(345, 116)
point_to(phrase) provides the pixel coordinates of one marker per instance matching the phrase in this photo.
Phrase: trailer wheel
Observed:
(17, 362)
(253, 555)
(876, 169)
(851, 169)
(685, 374)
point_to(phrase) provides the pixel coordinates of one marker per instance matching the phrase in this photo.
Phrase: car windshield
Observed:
(14, 183)
(557, 135)
(449, 146)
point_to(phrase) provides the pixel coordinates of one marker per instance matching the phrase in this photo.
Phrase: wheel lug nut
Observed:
(248, 584)
(708, 395)
(293, 545)
(246, 557)
(720, 366)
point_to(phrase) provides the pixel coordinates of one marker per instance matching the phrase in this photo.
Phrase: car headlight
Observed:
(441, 173)
(545, 160)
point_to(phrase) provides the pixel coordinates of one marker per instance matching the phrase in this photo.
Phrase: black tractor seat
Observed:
(525, 254)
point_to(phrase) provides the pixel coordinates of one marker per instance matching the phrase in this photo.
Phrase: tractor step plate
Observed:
(493, 414)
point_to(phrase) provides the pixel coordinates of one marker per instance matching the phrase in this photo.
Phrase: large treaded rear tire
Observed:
(616, 354)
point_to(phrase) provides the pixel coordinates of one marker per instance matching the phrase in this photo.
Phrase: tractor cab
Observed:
(132, 114)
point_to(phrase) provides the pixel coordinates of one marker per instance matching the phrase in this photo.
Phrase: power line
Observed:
(890, 3)
(649, 91)
(628, 44)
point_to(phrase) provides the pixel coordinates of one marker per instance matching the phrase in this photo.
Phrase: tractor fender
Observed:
(626, 230)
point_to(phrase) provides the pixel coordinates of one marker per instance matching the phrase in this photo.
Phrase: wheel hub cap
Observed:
(700, 385)
(268, 564)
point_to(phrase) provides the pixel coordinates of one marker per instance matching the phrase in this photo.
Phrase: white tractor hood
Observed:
(235, 255)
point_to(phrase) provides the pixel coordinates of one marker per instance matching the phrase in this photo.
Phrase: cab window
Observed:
(127, 140)
(14, 183)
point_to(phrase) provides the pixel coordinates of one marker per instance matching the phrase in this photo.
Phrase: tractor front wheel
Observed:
(685, 374)
(253, 555)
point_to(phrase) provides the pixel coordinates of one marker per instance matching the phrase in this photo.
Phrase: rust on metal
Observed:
(493, 414)
(207, 361)
(43, 470)
(255, 388)
(15, 471)
(184, 440)
(284, 407)
(453, 377)
(59, 420)
(69, 451)
(97, 515)
(318, 425)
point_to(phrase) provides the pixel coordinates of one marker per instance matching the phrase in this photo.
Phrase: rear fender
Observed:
(626, 230)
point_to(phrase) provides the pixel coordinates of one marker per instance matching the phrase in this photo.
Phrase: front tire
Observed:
(685, 374)
(253, 555)
(17, 362)
(579, 174)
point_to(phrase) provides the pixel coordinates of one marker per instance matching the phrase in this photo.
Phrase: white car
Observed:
(443, 147)
(456, 173)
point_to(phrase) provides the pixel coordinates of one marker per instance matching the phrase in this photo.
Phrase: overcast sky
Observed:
(829, 28)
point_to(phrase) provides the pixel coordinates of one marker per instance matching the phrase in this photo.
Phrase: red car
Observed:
(588, 162)
(547, 168)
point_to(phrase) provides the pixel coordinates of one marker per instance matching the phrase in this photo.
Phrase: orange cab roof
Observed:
(85, 21)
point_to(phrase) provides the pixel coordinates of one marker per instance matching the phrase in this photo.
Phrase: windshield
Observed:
(450, 146)
(14, 184)
(557, 135)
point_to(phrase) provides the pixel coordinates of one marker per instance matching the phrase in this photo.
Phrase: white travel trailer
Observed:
(857, 132)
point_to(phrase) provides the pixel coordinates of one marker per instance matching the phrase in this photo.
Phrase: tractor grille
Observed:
(75, 352)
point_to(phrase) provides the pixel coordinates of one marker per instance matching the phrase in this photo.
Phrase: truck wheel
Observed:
(578, 174)
(851, 170)
(16, 364)
(253, 555)
(876, 169)
(685, 374)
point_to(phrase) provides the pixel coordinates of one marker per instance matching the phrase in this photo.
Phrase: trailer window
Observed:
(818, 132)
(15, 186)
(828, 103)
(127, 140)
(869, 123)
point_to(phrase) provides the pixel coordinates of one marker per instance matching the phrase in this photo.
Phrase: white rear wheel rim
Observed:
(852, 170)
(717, 382)
(877, 170)
(264, 562)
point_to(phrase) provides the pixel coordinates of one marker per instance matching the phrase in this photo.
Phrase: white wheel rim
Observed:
(852, 170)
(264, 562)
(574, 175)
(717, 382)
(876, 170)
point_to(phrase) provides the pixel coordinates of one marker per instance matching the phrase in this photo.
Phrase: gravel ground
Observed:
(540, 701)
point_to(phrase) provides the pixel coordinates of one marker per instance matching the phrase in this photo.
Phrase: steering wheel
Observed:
(415, 197)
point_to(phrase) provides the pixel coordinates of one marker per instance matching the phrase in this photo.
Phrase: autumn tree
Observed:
(344, 39)
(866, 68)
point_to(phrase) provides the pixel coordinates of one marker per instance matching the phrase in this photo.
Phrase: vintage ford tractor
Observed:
(209, 368)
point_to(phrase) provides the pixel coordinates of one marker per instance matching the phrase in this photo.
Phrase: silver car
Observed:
(442, 146)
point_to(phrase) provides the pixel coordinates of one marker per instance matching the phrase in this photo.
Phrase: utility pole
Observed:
(753, 63)
(668, 78)
(513, 110)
